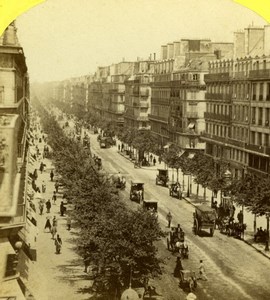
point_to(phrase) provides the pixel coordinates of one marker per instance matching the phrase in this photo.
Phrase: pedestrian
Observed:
(51, 175)
(62, 208)
(169, 219)
(43, 187)
(202, 274)
(240, 217)
(118, 147)
(56, 186)
(41, 206)
(41, 168)
(154, 161)
(151, 158)
(54, 197)
(53, 231)
(48, 206)
(48, 224)
(54, 221)
(68, 223)
(159, 159)
(35, 174)
(58, 244)
(178, 268)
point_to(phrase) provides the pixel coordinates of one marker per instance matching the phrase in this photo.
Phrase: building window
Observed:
(259, 138)
(261, 92)
(254, 91)
(268, 92)
(266, 140)
(252, 138)
(260, 116)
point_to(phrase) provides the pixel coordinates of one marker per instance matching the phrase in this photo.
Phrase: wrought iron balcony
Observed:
(257, 74)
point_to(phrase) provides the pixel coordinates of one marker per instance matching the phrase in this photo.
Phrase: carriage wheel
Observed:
(212, 230)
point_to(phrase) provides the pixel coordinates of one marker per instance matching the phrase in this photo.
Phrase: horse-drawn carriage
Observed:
(231, 228)
(204, 218)
(176, 242)
(162, 177)
(175, 190)
(137, 191)
(151, 205)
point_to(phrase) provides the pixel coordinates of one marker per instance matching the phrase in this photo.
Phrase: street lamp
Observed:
(267, 232)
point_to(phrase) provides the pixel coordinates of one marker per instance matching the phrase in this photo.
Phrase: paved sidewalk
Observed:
(193, 200)
(55, 276)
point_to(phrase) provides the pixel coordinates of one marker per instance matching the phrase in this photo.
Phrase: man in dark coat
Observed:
(48, 206)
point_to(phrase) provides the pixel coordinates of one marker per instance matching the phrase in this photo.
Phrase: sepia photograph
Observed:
(135, 151)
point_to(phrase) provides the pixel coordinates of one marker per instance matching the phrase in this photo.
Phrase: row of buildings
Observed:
(200, 95)
(16, 249)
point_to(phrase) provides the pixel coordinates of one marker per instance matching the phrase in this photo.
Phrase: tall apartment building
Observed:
(237, 114)
(14, 122)
(178, 91)
(106, 94)
(138, 95)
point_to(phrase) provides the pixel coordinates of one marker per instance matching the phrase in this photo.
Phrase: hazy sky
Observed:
(67, 38)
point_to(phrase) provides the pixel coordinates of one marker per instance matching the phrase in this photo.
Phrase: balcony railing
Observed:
(257, 74)
(218, 117)
(158, 118)
(217, 77)
(218, 96)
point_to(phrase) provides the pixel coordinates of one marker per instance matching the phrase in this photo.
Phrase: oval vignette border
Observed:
(11, 9)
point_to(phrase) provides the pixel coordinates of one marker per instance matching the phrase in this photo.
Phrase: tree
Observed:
(114, 238)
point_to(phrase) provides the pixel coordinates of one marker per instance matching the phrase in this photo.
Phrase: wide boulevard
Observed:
(234, 269)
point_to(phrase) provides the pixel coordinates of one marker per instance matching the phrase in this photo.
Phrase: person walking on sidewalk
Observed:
(51, 175)
(58, 244)
(41, 168)
(48, 206)
(62, 208)
(154, 161)
(151, 158)
(68, 223)
(41, 206)
(53, 231)
(48, 224)
(43, 187)
(54, 197)
(56, 186)
(54, 221)
(169, 219)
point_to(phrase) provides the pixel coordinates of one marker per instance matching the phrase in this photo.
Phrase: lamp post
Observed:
(188, 187)
(267, 231)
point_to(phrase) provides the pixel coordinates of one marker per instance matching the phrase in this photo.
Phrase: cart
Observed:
(137, 191)
(175, 190)
(204, 218)
(162, 177)
(151, 205)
